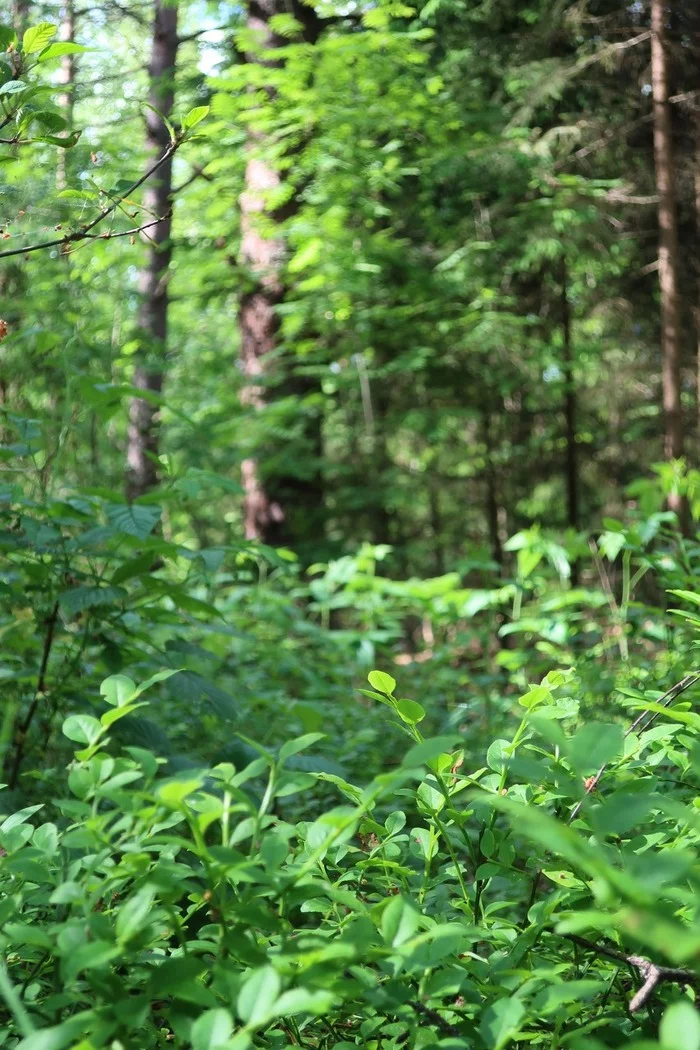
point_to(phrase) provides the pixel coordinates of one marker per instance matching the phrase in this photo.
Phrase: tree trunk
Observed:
(278, 509)
(20, 16)
(66, 78)
(668, 242)
(572, 480)
(143, 436)
(492, 507)
(697, 275)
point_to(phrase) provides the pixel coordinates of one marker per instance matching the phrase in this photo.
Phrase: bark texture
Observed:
(143, 435)
(668, 239)
(572, 475)
(275, 505)
(66, 78)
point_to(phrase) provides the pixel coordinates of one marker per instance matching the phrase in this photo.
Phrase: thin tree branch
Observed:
(23, 727)
(665, 701)
(127, 233)
(651, 974)
(84, 232)
(198, 173)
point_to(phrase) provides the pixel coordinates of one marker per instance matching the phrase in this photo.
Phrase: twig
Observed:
(127, 233)
(665, 701)
(84, 232)
(651, 973)
(23, 727)
(434, 1017)
(198, 173)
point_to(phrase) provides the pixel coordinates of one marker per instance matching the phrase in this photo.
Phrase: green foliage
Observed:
(438, 902)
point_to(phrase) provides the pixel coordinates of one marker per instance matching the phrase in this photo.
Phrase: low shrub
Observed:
(533, 901)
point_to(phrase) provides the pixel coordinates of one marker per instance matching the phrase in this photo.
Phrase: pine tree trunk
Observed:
(668, 241)
(279, 510)
(143, 436)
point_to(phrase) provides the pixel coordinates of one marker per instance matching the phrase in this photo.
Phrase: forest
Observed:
(349, 524)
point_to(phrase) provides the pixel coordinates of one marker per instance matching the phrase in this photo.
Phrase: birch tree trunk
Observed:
(143, 430)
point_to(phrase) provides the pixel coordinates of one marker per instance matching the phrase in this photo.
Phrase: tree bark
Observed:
(668, 241)
(492, 507)
(278, 509)
(572, 478)
(143, 430)
(697, 276)
(66, 78)
(20, 16)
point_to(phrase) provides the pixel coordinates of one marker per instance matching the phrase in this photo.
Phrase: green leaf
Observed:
(45, 838)
(133, 913)
(680, 1027)
(595, 745)
(211, 1030)
(92, 956)
(140, 566)
(133, 519)
(410, 711)
(257, 997)
(174, 792)
(429, 749)
(63, 47)
(37, 37)
(12, 87)
(400, 920)
(382, 682)
(292, 747)
(303, 1000)
(194, 117)
(84, 729)
(80, 598)
(118, 690)
(60, 1035)
(159, 676)
(500, 1022)
(498, 755)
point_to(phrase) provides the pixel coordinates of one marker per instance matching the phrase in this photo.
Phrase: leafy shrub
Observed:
(526, 901)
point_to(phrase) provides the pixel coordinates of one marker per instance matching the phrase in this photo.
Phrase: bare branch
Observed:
(651, 974)
(84, 233)
(666, 700)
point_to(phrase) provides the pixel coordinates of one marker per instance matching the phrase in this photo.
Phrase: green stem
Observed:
(14, 1003)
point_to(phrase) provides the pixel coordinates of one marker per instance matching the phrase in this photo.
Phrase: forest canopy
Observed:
(349, 524)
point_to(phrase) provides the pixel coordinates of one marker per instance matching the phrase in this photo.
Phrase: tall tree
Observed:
(66, 77)
(143, 436)
(269, 501)
(668, 239)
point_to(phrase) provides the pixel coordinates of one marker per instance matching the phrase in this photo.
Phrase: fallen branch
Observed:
(651, 974)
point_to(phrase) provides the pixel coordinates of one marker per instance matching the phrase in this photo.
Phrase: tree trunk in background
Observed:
(278, 509)
(492, 508)
(668, 242)
(143, 437)
(66, 77)
(572, 480)
(697, 273)
(20, 16)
